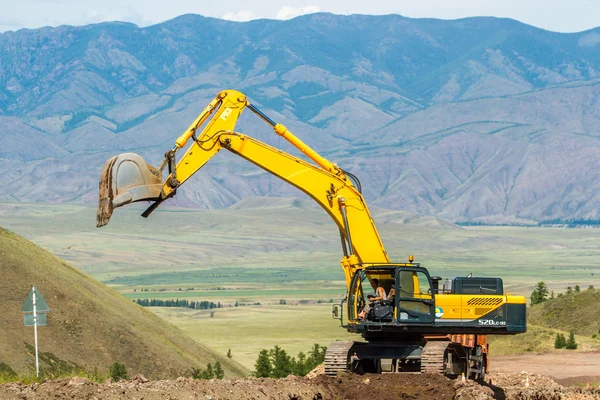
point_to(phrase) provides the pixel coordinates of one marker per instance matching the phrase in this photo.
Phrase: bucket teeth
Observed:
(105, 194)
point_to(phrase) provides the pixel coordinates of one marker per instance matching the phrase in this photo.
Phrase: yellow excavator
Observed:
(422, 325)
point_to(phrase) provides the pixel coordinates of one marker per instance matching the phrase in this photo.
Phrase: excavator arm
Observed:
(127, 178)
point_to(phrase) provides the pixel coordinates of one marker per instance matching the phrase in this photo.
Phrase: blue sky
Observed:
(554, 15)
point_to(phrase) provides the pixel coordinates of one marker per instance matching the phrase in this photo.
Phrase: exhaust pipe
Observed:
(125, 179)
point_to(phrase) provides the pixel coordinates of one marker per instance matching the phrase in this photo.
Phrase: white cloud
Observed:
(289, 12)
(240, 16)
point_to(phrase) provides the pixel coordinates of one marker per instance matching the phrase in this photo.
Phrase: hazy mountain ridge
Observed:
(479, 118)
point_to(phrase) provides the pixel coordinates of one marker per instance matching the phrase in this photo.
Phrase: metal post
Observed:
(37, 364)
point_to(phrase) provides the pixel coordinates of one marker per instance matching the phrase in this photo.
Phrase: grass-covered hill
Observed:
(576, 312)
(90, 326)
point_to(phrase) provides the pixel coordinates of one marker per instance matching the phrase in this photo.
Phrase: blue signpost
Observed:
(34, 314)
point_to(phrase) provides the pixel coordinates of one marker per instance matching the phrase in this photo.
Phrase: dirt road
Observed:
(565, 367)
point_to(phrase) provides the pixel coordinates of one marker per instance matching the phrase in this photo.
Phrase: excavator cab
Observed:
(409, 296)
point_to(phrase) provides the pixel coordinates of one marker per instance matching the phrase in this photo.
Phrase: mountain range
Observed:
(477, 119)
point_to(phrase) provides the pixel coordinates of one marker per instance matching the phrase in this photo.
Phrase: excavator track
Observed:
(433, 357)
(336, 357)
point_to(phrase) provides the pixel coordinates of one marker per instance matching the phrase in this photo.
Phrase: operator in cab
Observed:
(378, 296)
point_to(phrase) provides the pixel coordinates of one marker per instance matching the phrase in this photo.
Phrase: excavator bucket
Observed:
(125, 179)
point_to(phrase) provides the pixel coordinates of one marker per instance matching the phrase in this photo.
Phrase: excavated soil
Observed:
(344, 387)
(521, 386)
(347, 387)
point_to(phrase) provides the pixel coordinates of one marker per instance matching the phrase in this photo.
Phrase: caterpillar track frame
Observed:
(424, 328)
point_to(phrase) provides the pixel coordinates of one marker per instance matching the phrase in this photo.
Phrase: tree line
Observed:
(118, 372)
(277, 363)
(197, 305)
(209, 373)
(541, 293)
(560, 342)
(571, 223)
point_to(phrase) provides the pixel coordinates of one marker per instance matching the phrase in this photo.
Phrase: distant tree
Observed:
(281, 361)
(212, 314)
(577, 289)
(205, 374)
(263, 367)
(571, 344)
(196, 373)
(219, 373)
(282, 301)
(560, 342)
(569, 290)
(591, 288)
(300, 366)
(229, 355)
(277, 363)
(208, 372)
(118, 372)
(317, 355)
(539, 294)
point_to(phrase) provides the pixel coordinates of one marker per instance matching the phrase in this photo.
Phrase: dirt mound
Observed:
(182, 388)
(521, 386)
(347, 387)
(471, 390)
(526, 386)
(321, 387)
(523, 380)
(388, 387)
(319, 370)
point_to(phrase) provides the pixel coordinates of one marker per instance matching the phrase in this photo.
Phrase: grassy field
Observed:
(247, 330)
(264, 242)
